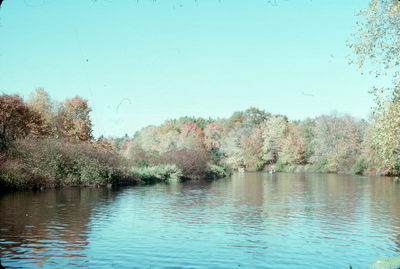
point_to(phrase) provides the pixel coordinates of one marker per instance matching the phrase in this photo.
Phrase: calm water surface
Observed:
(254, 220)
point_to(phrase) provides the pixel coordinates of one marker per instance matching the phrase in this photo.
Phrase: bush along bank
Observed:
(172, 173)
(54, 163)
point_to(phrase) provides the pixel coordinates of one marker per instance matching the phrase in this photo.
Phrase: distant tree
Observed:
(75, 119)
(305, 130)
(40, 102)
(200, 122)
(212, 136)
(275, 131)
(17, 120)
(254, 117)
(294, 146)
(103, 144)
(338, 141)
(251, 146)
(190, 137)
(235, 121)
(147, 139)
(167, 136)
(231, 150)
(249, 118)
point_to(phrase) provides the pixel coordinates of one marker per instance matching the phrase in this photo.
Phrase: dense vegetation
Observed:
(257, 140)
(45, 143)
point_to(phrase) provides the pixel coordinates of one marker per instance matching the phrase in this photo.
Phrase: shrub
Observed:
(13, 173)
(280, 166)
(359, 167)
(216, 171)
(59, 162)
(158, 173)
(322, 165)
(193, 163)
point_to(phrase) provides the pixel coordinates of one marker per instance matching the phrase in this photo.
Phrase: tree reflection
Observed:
(49, 224)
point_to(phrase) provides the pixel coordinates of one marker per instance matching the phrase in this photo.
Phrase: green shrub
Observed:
(322, 165)
(216, 171)
(396, 168)
(158, 173)
(216, 154)
(359, 167)
(280, 166)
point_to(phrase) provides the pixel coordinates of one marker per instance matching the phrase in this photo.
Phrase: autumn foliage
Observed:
(257, 140)
(193, 163)
(17, 120)
(43, 143)
(46, 142)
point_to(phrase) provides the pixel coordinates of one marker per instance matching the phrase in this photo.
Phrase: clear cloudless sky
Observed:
(140, 62)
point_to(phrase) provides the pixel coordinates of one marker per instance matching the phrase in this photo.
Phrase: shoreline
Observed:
(136, 181)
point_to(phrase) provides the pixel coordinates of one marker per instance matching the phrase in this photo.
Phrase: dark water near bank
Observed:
(249, 221)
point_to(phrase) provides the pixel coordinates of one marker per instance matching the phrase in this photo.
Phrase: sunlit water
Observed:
(254, 220)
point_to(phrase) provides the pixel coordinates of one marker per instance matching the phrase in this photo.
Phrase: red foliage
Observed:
(189, 128)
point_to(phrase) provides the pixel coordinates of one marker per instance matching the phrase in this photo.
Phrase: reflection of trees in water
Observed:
(328, 203)
(283, 200)
(248, 198)
(256, 208)
(188, 202)
(384, 202)
(48, 223)
(335, 199)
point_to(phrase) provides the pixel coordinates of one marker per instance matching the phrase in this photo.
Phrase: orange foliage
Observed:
(17, 120)
(76, 123)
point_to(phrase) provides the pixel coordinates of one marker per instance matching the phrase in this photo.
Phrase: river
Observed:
(251, 220)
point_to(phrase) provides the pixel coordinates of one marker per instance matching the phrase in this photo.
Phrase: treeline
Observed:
(49, 143)
(257, 140)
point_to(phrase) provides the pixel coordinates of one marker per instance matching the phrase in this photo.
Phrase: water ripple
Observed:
(250, 221)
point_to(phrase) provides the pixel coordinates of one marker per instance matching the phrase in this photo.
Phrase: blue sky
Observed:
(141, 62)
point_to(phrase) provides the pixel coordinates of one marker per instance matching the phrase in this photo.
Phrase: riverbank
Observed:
(57, 163)
(358, 168)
